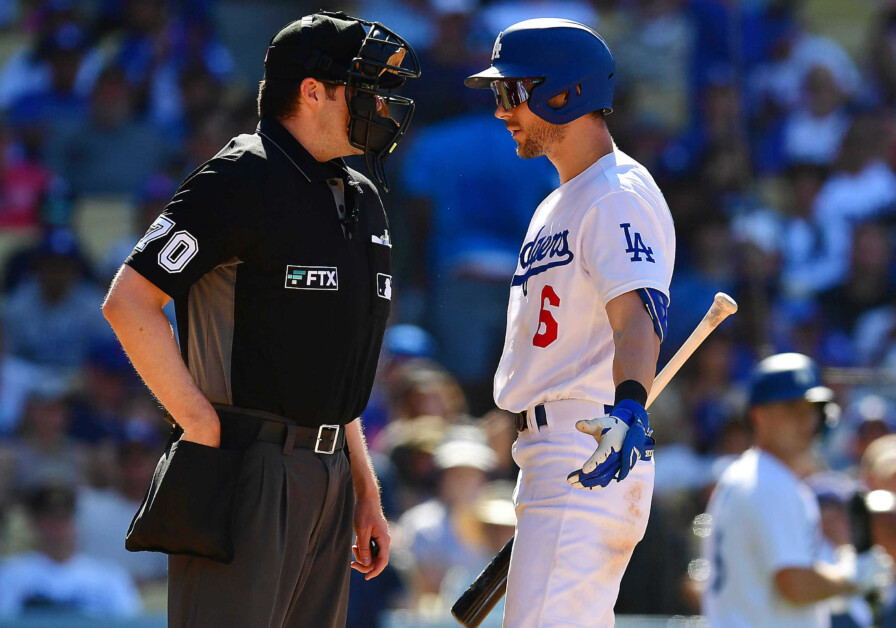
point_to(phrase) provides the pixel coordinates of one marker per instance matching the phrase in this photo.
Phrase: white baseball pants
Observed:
(572, 545)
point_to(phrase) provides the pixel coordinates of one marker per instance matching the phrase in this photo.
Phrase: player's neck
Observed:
(586, 140)
(796, 461)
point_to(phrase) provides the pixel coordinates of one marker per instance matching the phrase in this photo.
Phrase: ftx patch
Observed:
(312, 278)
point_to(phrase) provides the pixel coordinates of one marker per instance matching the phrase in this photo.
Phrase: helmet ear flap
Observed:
(580, 99)
(559, 101)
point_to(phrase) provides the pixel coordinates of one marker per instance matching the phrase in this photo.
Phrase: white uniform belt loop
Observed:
(561, 414)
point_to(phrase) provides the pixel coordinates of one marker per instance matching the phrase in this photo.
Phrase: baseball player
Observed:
(586, 317)
(765, 547)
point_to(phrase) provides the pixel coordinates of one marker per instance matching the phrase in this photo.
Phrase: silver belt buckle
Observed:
(320, 437)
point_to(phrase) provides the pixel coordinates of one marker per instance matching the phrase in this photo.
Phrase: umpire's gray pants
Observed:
(292, 533)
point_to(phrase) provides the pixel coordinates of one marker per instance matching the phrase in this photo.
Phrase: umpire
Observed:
(278, 258)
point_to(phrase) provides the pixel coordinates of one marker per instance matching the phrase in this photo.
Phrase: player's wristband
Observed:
(631, 389)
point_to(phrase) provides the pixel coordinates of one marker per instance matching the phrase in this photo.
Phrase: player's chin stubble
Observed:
(542, 135)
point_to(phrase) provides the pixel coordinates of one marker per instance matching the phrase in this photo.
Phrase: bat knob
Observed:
(725, 303)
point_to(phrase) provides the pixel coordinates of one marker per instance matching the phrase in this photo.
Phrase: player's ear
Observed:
(559, 100)
(755, 418)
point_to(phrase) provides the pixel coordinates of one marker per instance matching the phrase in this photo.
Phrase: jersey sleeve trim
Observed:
(657, 305)
(633, 286)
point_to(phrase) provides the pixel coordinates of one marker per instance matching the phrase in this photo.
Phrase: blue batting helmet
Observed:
(569, 56)
(785, 377)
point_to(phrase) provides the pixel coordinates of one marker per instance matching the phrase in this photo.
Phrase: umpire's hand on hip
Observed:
(203, 428)
(622, 438)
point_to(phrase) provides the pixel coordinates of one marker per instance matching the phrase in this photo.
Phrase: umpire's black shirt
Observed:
(281, 297)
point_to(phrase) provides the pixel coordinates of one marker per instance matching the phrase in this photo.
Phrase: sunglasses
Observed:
(510, 94)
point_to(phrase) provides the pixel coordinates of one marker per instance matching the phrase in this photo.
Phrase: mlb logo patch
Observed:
(312, 278)
(384, 286)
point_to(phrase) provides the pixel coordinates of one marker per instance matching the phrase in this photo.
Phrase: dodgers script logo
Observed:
(553, 248)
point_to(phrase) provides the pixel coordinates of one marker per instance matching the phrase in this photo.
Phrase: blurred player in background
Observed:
(765, 549)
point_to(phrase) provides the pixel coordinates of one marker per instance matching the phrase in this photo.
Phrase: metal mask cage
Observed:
(376, 70)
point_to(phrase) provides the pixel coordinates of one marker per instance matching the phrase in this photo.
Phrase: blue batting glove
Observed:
(622, 439)
(600, 477)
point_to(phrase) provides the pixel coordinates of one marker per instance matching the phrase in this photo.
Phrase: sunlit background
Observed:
(768, 125)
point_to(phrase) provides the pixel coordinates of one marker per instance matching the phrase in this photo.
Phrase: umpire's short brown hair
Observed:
(279, 98)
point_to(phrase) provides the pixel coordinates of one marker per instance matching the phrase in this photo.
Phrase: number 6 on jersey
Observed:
(547, 324)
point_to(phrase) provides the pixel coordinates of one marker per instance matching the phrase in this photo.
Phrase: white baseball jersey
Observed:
(605, 232)
(764, 519)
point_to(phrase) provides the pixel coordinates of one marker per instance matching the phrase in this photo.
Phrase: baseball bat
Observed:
(474, 605)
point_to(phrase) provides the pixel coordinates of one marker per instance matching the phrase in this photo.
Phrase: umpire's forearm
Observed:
(364, 478)
(133, 308)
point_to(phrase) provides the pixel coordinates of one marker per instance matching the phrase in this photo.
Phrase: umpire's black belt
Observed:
(324, 439)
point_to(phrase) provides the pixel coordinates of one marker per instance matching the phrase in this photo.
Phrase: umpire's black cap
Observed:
(320, 46)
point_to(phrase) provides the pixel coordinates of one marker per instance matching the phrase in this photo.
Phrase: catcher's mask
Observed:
(369, 59)
(378, 118)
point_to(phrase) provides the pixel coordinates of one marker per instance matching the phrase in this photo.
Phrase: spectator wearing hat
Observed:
(108, 151)
(494, 520)
(410, 446)
(872, 419)
(103, 512)
(44, 448)
(51, 318)
(443, 533)
(29, 70)
(54, 577)
(107, 385)
(879, 464)
(59, 100)
(50, 322)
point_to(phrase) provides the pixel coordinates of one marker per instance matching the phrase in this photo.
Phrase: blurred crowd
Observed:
(772, 138)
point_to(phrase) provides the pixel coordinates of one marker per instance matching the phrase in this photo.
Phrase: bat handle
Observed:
(722, 307)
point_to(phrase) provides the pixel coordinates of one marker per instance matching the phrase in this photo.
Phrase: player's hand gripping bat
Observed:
(481, 596)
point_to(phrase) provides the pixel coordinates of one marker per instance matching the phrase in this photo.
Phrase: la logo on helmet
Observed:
(496, 51)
